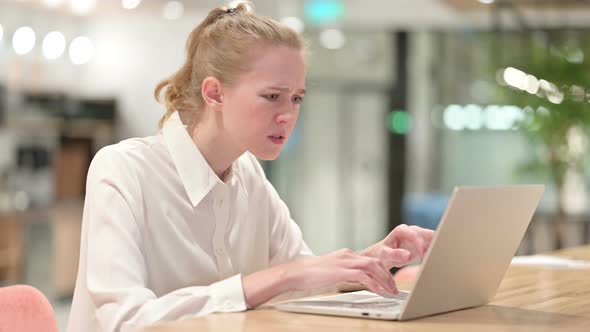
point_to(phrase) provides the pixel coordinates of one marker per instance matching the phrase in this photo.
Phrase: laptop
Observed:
(476, 239)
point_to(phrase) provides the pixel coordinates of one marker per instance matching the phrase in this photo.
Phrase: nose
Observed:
(287, 117)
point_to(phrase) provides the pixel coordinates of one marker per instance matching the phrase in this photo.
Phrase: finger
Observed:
(409, 239)
(417, 237)
(361, 277)
(370, 283)
(427, 235)
(395, 257)
(375, 268)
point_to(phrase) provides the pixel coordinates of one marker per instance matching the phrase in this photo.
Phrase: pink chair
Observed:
(407, 273)
(25, 309)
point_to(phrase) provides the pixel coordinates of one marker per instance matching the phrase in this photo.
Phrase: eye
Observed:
(272, 96)
(297, 99)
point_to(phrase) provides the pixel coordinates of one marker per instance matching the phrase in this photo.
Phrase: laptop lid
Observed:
(476, 239)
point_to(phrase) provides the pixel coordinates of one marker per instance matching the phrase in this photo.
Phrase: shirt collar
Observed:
(195, 173)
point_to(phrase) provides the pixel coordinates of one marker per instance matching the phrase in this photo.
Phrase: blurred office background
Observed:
(406, 99)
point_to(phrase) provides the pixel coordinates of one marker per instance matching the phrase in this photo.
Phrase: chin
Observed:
(266, 155)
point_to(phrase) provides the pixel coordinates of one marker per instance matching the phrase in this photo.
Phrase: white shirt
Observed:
(163, 238)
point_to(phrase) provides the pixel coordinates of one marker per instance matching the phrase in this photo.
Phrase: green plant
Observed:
(555, 95)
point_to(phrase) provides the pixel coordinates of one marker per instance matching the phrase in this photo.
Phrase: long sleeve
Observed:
(164, 238)
(116, 275)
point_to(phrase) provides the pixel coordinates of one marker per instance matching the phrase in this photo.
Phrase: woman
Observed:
(185, 223)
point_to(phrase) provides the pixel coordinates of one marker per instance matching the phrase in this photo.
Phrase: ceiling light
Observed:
(332, 39)
(81, 50)
(23, 40)
(82, 7)
(54, 45)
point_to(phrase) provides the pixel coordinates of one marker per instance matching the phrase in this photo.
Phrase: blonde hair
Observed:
(217, 47)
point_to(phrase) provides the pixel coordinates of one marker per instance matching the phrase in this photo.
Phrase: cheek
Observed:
(240, 109)
(259, 114)
(248, 121)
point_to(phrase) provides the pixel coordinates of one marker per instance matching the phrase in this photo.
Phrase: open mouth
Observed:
(278, 139)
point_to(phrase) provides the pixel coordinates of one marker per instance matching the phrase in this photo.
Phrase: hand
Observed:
(401, 246)
(342, 266)
(369, 267)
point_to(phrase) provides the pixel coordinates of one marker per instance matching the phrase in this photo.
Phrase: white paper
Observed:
(550, 261)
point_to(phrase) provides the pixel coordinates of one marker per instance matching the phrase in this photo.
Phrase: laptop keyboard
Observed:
(380, 304)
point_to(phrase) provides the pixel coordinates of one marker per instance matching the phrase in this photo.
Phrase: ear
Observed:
(212, 90)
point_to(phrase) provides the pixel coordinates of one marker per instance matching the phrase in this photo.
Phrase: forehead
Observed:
(278, 65)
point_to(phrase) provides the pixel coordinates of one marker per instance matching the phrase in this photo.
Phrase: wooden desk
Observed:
(11, 248)
(529, 299)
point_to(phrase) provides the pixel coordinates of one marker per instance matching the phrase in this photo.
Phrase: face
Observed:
(260, 109)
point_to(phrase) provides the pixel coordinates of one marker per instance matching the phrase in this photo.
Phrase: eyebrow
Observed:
(285, 89)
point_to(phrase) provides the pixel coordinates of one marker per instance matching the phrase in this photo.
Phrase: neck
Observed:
(215, 145)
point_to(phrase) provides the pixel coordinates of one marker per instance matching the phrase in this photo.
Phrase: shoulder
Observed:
(250, 167)
(253, 177)
(124, 159)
